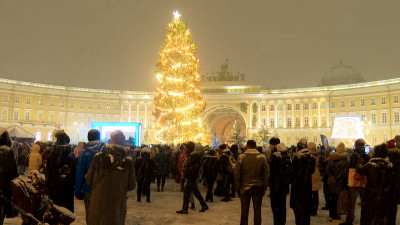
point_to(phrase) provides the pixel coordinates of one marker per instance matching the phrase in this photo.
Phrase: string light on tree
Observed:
(178, 102)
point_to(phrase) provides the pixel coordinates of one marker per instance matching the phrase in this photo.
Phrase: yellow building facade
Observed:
(293, 113)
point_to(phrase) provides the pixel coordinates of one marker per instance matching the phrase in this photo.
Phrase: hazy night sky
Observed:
(115, 44)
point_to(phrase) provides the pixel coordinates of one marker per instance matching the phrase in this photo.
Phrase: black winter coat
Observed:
(60, 176)
(378, 196)
(192, 166)
(280, 169)
(145, 168)
(210, 166)
(162, 162)
(303, 166)
(8, 171)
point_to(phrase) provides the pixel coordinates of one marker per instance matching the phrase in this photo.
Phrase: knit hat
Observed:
(312, 147)
(117, 137)
(35, 148)
(391, 144)
(93, 135)
(340, 147)
(281, 147)
(359, 143)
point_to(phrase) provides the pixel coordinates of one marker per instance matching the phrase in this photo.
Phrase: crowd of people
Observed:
(42, 180)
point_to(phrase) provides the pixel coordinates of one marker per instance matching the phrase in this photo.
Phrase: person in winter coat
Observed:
(35, 159)
(357, 156)
(8, 171)
(315, 178)
(394, 158)
(182, 158)
(378, 195)
(162, 162)
(82, 189)
(111, 175)
(337, 177)
(191, 174)
(279, 180)
(251, 178)
(210, 173)
(60, 173)
(224, 170)
(303, 166)
(145, 168)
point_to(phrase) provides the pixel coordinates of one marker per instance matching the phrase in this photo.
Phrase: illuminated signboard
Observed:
(347, 127)
(130, 130)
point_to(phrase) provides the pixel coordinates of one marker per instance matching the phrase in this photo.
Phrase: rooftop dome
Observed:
(341, 74)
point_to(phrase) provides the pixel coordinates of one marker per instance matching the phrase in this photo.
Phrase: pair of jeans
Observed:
(143, 188)
(256, 194)
(210, 184)
(353, 193)
(278, 196)
(191, 186)
(160, 179)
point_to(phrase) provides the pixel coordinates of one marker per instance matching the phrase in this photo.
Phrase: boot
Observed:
(203, 208)
(182, 212)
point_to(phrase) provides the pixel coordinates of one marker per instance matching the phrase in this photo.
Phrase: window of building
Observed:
(383, 100)
(362, 102)
(396, 117)
(81, 119)
(271, 108)
(133, 119)
(289, 140)
(5, 98)
(272, 122)
(323, 121)
(263, 108)
(280, 121)
(81, 105)
(373, 118)
(16, 115)
(352, 103)
(289, 122)
(323, 105)
(396, 99)
(28, 100)
(263, 121)
(27, 116)
(363, 117)
(297, 106)
(125, 119)
(90, 106)
(314, 105)
(332, 104)
(306, 121)
(289, 107)
(315, 121)
(4, 114)
(305, 106)
(71, 105)
(384, 137)
(61, 118)
(372, 101)
(342, 103)
(62, 103)
(40, 116)
(126, 107)
(17, 99)
(384, 118)
(51, 116)
(99, 106)
(297, 121)
(280, 107)
(40, 101)
(108, 106)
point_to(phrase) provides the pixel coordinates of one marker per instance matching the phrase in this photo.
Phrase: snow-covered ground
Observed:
(163, 205)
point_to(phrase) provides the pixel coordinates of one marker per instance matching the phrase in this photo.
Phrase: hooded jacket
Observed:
(251, 170)
(84, 160)
(336, 171)
(111, 175)
(35, 159)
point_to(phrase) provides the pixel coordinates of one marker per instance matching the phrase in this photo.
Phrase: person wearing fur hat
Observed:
(279, 180)
(111, 175)
(316, 178)
(8, 171)
(60, 172)
(145, 168)
(357, 156)
(303, 166)
(337, 178)
(35, 159)
(378, 196)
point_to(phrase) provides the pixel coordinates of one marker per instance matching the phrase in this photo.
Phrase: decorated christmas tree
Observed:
(178, 102)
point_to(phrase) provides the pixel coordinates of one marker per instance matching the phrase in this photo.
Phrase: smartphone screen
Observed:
(367, 149)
